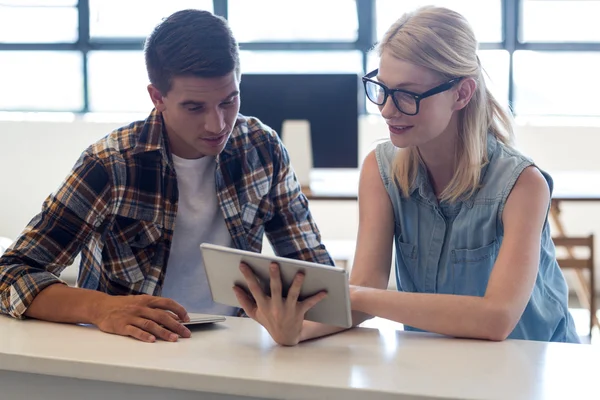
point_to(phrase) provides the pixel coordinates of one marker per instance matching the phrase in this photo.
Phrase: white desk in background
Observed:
(237, 359)
(569, 187)
(342, 184)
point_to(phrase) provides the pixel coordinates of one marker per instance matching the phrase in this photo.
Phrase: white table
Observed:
(40, 360)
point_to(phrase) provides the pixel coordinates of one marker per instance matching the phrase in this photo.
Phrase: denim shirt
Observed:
(451, 248)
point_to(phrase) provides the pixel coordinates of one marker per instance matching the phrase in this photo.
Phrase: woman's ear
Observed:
(465, 89)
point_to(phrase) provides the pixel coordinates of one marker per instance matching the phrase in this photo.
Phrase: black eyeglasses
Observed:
(406, 102)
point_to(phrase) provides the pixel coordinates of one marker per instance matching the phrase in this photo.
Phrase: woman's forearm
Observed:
(313, 330)
(452, 315)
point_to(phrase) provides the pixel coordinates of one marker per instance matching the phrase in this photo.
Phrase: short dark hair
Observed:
(190, 43)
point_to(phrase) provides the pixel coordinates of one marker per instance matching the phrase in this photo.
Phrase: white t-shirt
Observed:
(199, 219)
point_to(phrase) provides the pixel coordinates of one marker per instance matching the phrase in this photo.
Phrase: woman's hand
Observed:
(281, 317)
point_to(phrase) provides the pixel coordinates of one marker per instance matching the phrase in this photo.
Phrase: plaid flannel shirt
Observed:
(117, 208)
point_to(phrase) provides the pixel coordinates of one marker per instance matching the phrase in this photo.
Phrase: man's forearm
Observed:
(61, 303)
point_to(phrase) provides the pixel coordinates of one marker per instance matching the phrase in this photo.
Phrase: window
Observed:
(41, 81)
(557, 83)
(301, 61)
(560, 21)
(28, 21)
(44, 3)
(485, 16)
(43, 62)
(118, 81)
(308, 20)
(133, 18)
(495, 64)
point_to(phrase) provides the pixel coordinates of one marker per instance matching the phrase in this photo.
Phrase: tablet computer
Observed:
(223, 273)
(200, 319)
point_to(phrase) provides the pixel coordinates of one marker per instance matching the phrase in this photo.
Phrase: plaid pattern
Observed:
(118, 206)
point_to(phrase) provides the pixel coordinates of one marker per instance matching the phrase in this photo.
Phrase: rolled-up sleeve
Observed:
(55, 236)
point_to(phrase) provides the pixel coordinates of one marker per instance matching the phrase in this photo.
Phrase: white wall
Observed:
(35, 156)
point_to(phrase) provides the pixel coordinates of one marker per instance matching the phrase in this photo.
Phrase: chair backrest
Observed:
(571, 261)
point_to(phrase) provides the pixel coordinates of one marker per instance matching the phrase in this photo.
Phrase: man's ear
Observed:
(156, 97)
(465, 89)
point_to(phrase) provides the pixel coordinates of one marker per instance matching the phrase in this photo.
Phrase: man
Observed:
(138, 203)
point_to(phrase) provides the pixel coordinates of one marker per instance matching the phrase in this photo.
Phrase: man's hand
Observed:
(142, 317)
(282, 317)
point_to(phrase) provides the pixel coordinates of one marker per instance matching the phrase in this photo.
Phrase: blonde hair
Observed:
(443, 41)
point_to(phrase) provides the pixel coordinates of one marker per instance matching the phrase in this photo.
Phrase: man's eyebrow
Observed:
(191, 103)
(232, 94)
(196, 103)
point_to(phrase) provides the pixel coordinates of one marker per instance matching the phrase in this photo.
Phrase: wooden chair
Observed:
(585, 288)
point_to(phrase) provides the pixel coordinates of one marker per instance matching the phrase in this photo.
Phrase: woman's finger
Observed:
(245, 301)
(294, 292)
(255, 290)
(275, 276)
(311, 302)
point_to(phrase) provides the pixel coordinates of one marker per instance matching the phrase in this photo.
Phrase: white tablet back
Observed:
(201, 319)
(222, 270)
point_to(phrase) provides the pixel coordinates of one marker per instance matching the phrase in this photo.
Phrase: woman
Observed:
(466, 211)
